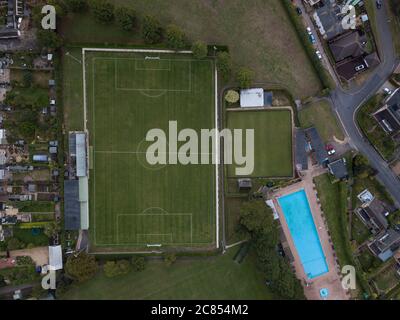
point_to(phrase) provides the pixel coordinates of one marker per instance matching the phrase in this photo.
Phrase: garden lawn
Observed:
(320, 115)
(194, 278)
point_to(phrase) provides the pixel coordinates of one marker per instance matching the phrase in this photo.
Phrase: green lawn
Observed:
(206, 278)
(359, 232)
(320, 115)
(247, 27)
(273, 141)
(333, 201)
(72, 88)
(28, 237)
(134, 203)
(387, 279)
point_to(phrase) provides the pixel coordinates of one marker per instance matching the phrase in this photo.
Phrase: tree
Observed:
(256, 217)
(224, 65)
(51, 229)
(176, 38)
(199, 49)
(245, 77)
(151, 30)
(126, 18)
(77, 5)
(232, 96)
(102, 10)
(81, 267)
(49, 39)
(138, 263)
(169, 259)
(116, 268)
(14, 244)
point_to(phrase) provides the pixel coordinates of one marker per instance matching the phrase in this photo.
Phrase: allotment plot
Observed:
(133, 204)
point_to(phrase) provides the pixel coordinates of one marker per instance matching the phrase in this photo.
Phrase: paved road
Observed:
(346, 103)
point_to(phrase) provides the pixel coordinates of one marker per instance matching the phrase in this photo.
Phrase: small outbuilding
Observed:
(244, 184)
(338, 169)
(252, 98)
(55, 258)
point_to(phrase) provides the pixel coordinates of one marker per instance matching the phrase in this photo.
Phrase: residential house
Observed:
(373, 214)
(338, 169)
(388, 116)
(385, 245)
(316, 146)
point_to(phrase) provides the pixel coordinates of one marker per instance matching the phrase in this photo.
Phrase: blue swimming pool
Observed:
(301, 225)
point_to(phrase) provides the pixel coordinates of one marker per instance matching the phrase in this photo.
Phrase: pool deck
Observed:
(330, 280)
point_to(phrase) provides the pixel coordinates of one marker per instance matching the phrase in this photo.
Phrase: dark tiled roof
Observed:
(72, 209)
(301, 152)
(317, 145)
(339, 169)
(349, 44)
(347, 68)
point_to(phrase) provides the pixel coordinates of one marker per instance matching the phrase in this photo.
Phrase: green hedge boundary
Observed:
(323, 75)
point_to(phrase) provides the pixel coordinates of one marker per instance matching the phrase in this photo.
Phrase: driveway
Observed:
(346, 104)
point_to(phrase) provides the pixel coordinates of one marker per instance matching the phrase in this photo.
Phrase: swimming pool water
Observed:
(301, 225)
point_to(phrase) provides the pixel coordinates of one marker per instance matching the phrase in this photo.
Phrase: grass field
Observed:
(258, 33)
(206, 278)
(320, 115)
(133, 203)
(273, 140)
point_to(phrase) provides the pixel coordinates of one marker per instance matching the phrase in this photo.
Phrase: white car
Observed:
(387, 91)
(309, 31)
(319, 55)
(360, 67)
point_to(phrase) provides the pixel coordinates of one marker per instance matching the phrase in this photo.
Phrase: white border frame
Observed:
(217, 153)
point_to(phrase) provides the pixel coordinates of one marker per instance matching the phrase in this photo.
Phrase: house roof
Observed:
(252, 97)
(347, 67)
(387, 120)
(55, 258)
(377, 210)
(339, 169)
(72, 208)
(317, 145)
(384, 245)
(300, 151)
(350, 44)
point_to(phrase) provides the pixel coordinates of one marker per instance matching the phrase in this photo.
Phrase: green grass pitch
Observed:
(272, 141)
(133, 204)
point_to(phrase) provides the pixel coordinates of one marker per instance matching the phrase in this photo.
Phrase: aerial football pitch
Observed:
(135, 205)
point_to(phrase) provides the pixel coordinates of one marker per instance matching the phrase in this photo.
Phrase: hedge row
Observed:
(297, 22)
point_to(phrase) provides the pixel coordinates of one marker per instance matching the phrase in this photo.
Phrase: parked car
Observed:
(319, 55)
(312, 39)
(387, 91)
(299, 12)
(309, 31)
(360, 67)
(379, 4)
(330, 149)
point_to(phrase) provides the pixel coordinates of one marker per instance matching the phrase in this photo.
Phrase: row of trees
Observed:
(256, 220)
(82, 267)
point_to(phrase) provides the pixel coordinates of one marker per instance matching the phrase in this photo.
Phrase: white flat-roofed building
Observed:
(55, 258)
(252, 98)
(80, 155)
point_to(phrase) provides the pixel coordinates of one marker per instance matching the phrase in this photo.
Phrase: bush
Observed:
(169, 259)
(224, 65)
(297, 22)
(138, 263)
(81, 267)
(151, 30)
(199, 49)
(49, 39)
(126, 18)
(77, 5)
(15, 244)
(102, 10)
(176, 38)
(232, 96)
(116, 268)
(245, 77)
